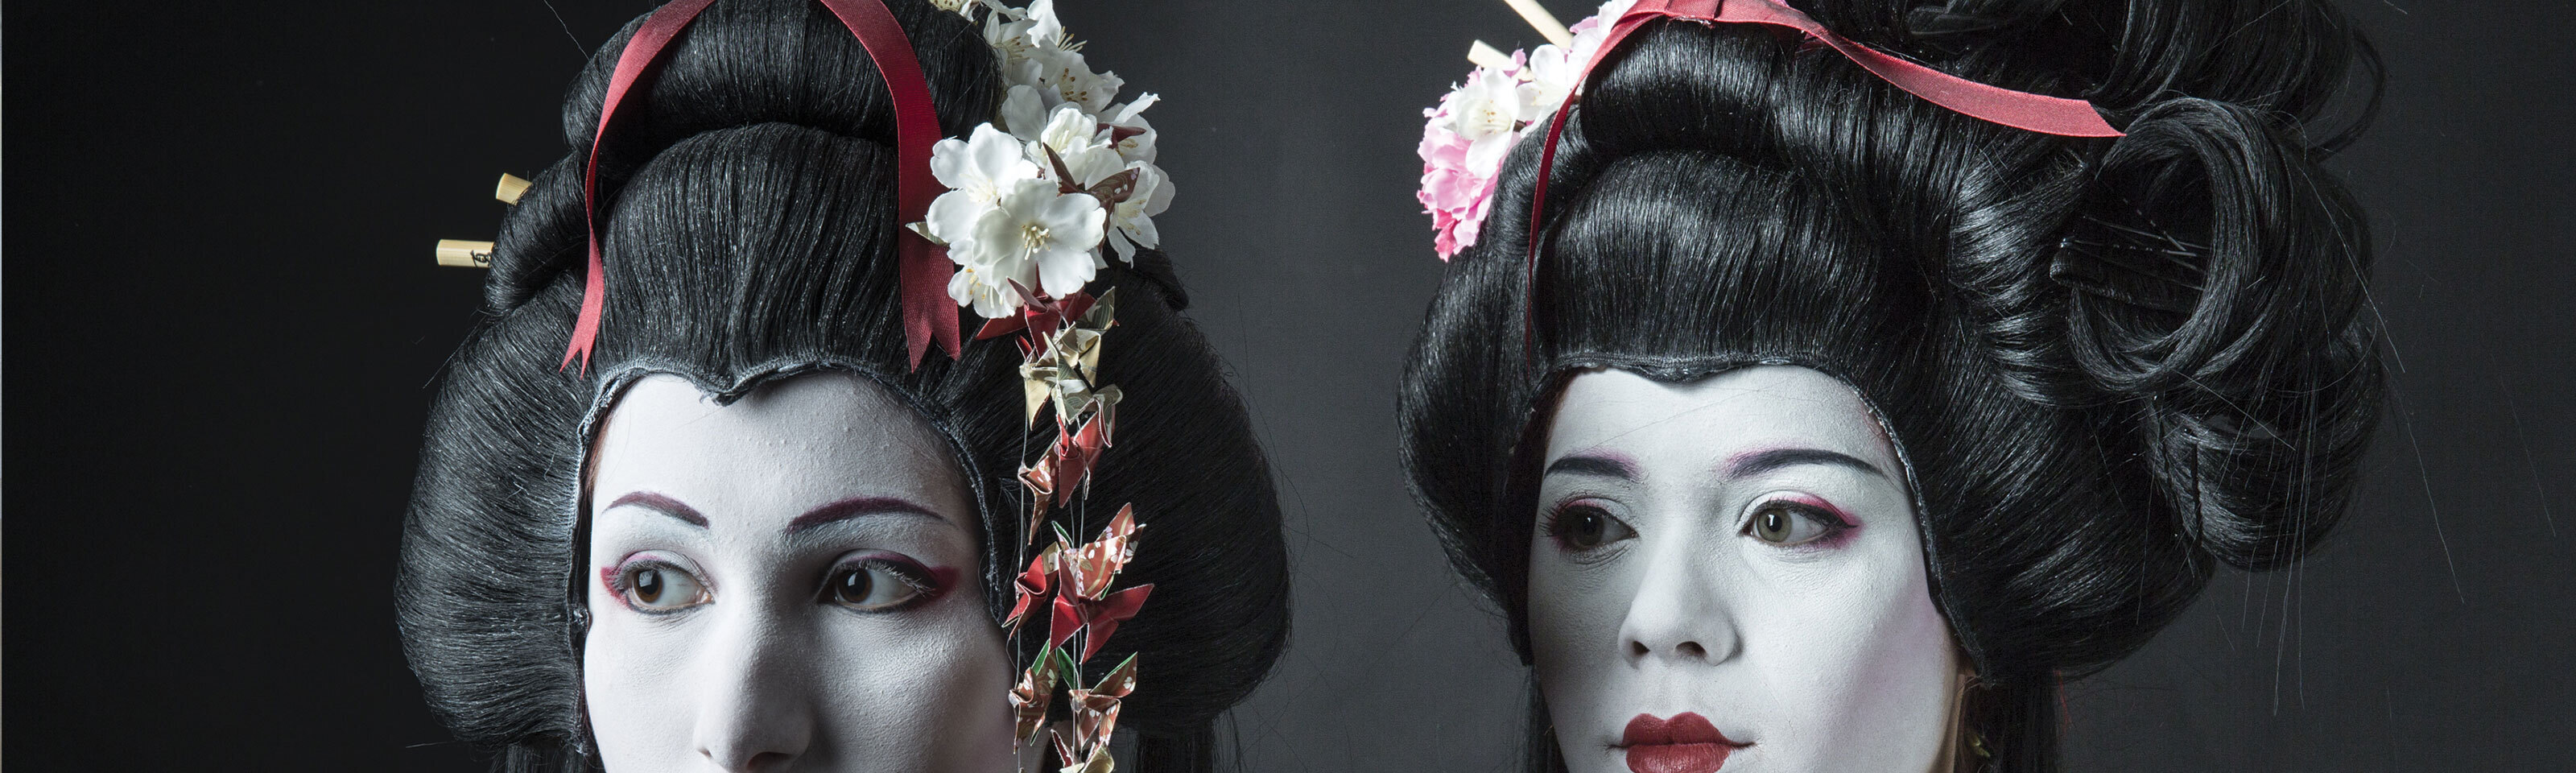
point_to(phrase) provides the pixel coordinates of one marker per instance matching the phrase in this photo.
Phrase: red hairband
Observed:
(928, 315)
(2018, 109)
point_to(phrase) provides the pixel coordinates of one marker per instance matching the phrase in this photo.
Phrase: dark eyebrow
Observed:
(858, 506)
(1757, 462)
(661, 504)
(1599, 466)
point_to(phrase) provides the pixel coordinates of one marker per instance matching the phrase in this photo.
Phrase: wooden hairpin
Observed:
(510, 189)
(1492, 58)
(1546, 23)
(464, 254)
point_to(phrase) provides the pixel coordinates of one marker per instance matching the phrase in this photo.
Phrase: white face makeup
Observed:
(788, 583)
(1735, 557)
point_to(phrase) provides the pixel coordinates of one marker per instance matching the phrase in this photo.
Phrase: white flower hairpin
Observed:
(1065, 172)
(1034, 196)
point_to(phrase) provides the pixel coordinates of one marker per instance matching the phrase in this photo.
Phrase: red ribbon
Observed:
(2018, 109)
(928, 314)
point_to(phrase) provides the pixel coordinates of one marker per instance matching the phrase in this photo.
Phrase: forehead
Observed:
(1746, 409)
(794, 443)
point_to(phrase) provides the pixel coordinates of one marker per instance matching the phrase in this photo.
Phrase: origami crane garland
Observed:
(1070, 581)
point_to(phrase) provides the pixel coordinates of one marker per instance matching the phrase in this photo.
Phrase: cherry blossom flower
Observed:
(1072, 79)
(975, 171)
(1466, 137)
(1129, 119)
(1486, 112)
(1075, 138)
(1036, 230)
(1131, 220)
(1063, 175)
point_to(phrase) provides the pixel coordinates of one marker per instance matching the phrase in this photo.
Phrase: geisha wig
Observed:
(749, 225)
(2111, 365)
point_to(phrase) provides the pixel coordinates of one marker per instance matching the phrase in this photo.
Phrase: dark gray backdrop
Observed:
(222, 312)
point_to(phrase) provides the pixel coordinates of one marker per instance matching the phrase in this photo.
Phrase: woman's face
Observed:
(790, 582)
(1727, 573)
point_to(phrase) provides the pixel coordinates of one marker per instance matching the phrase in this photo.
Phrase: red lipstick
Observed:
(1687, 743)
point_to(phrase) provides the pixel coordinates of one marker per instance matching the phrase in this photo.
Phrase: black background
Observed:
(222, 314)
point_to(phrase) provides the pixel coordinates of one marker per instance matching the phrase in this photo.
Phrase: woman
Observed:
(1821, 420)
(768, 513)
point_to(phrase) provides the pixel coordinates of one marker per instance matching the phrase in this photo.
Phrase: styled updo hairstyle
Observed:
(2111, 364)
(749, 221)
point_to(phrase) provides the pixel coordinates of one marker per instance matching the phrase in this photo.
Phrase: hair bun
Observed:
(742, 63)
(2210, 258)
(745, 62)
(543, 236)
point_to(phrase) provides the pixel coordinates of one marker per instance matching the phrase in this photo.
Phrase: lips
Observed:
(1687, 743)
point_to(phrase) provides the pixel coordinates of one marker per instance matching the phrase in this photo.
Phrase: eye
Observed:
(877, 584)
(1581, 526)
(1787, 523)
(654, 586)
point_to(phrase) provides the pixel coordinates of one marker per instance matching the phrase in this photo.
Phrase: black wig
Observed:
(2111, 365)
(749, 232)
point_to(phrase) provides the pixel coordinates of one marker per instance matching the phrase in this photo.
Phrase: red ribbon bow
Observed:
(928, 314)
(2018, 109)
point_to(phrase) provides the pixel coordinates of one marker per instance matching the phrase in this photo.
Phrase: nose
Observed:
(755, 713)
(1679, 613)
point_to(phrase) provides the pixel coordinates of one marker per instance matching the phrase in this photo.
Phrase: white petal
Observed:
(952, 217)
(1160, 198)
(1091, 164)
(994, 242)
(948, 162)
(1139, 147)
(1073, 219)
(1126, 249)
(1132, 113)
(961, 287)
(1102, 89)
(1486, 155)
(1142, 230)
(1045, 29)
(1032, 73)
(1024, 113)
(1068, 128)
(1064, 271)
(996, 155)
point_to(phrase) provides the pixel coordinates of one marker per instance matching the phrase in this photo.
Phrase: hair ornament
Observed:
(1476, 124)
(509, 189)
(1073, 581)
(462, 253)
(466, 253)
(1539, 19)
(1063, 174)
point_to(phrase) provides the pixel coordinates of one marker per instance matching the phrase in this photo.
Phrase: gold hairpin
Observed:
(1488, 57)
(510, 189)
(464, 254)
